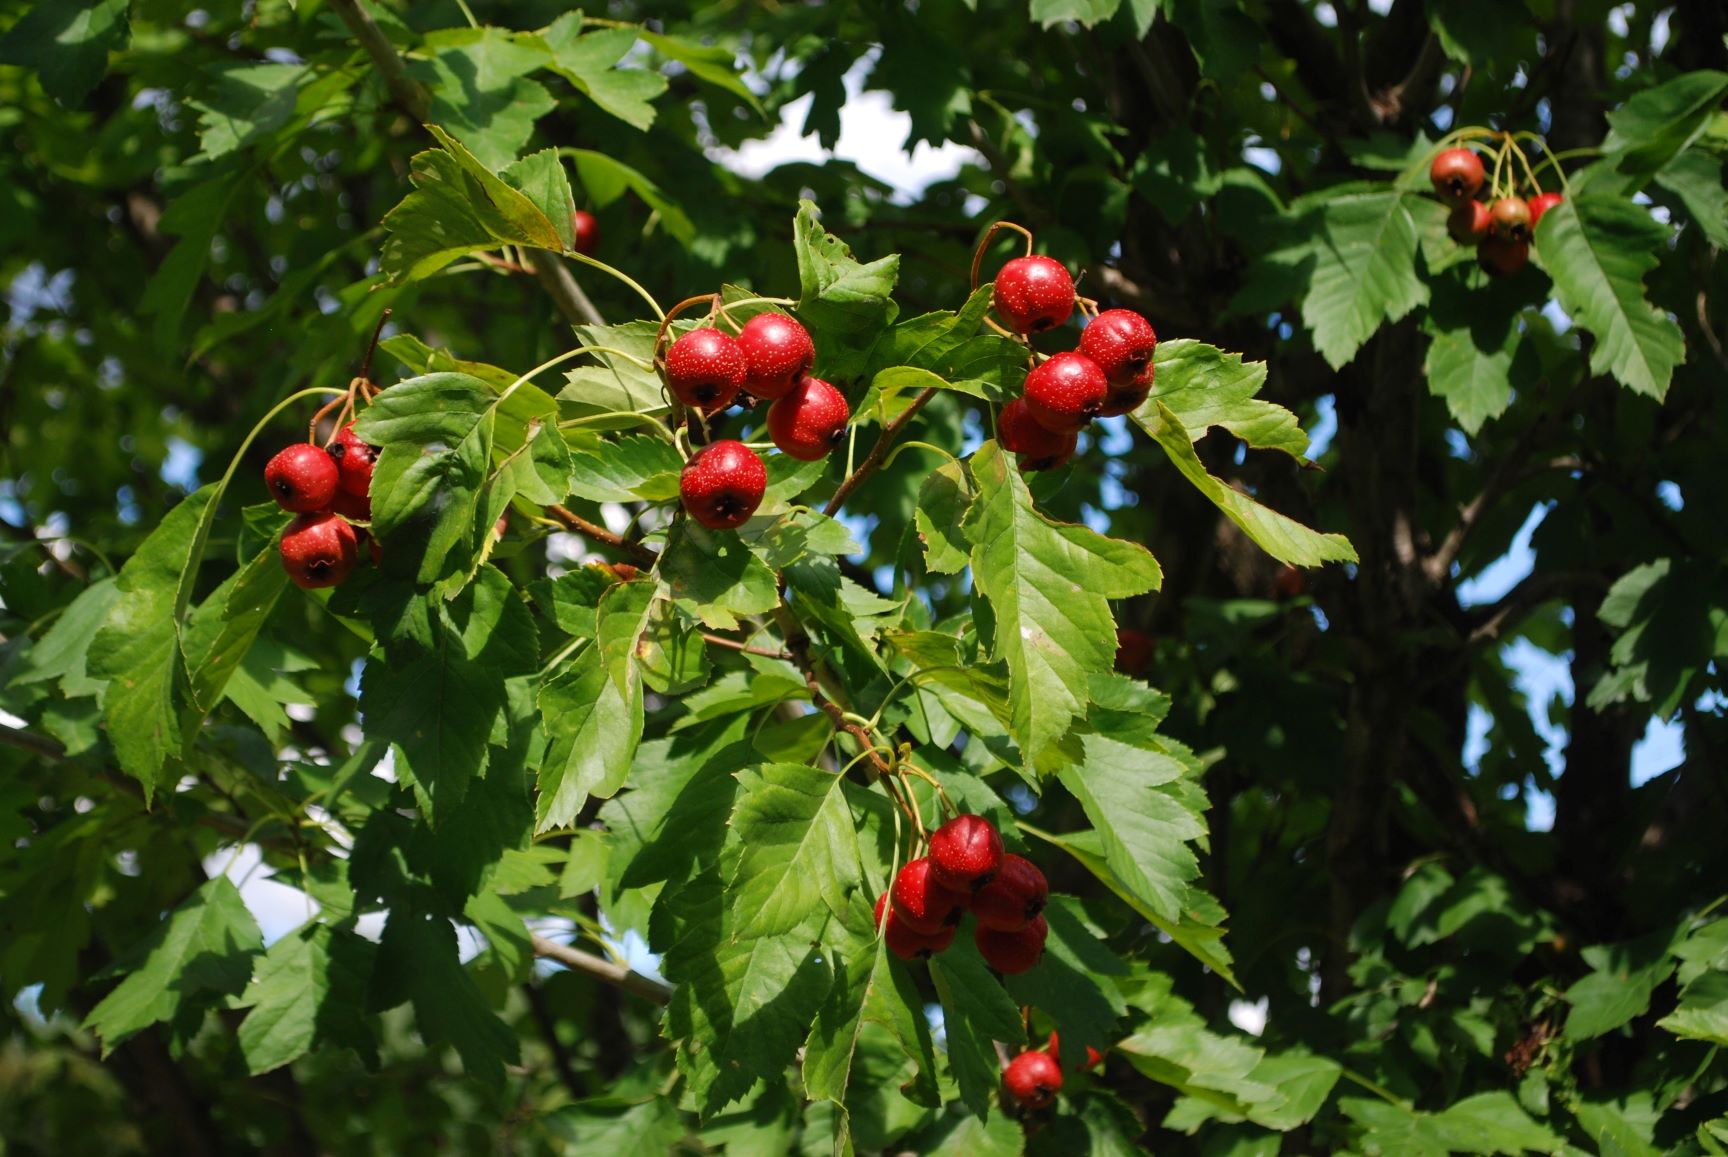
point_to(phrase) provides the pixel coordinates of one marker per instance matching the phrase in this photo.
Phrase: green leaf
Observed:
(439, 705)
(67, 42)
(1144, 824)
(610, 1125)
(710, 63)
(200, 954)
(309, 989)
(606, 178)
(246, 102)
(194, 216)
(844, 303)
(1655, 124)
(1049, 585)
(63, 653)
(593, 711)
(870, 992)
(799, 849)
(481, 92)
(540, 177)
(1283, 538)
(1671, 623)
(1493, 1123)
(1206, 387)
(1365, 271)
(976, 1012)
(1598, 249)
(587, 61)
(942, 504)
(221, 631)
(458, 207)
(613, 384)
(1065, 986)
(1703, 1011)
(138, 648)
(1625, 977)
(639, 467)
(1050, 13)
(1476, 332)
(714, 577)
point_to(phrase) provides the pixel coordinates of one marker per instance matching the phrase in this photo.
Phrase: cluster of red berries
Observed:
(327, 488)
(708, 369)
(1499, 232)
(967, 871)
(1111, 372)
(1035, 1076)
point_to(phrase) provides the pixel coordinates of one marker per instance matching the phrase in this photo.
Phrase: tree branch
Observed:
(554, 276)
(42, 745)
(877, 452)
(614, 974)
(407, 92)
(600, 534)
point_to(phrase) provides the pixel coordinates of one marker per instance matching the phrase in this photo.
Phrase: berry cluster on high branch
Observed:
(1500, 225)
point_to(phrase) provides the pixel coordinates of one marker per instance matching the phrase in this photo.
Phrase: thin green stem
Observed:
(543, 366)
(889, 461)
(659, 314)
(647, 367)
(472, 23)
(630, 417)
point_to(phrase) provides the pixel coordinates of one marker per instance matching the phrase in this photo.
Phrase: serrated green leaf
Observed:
(1476, 334)
(1598, 249)
(870, 990)
(588, 61)
(540, 177)
(616, 384)
(976, 1012)
(200, 954)
(67, 42)
(481, 92)
(308, 989)
(639, 467)
(1696, 177)
(1206, 387)
(1703, 1011)
(798, 848)
(1145, 829)
(714, 577)
(942, 503)
(844, 303)
(1619, 988)
(1656, 123)
(1365, 271)
(221, 630)
(245, 102)
(1283, 538)
(63, 652)
(1049, 584)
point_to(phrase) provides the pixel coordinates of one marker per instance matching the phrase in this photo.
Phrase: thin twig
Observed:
(587, 529)
(615, 974)
(798, 648)
(877, 452)
(735, 645)
(30, 741)
(407, 92)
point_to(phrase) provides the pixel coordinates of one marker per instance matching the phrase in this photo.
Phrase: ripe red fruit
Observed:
(1033, 1079)
(1457, 174)
(722, 484)
(318, 550)
(1290, 583)
(809, 421)
(777, 352)
(705, 369)
(1501, 256)
(902, 941)
(1133, 650)
(1010, 901)
(1054, 1048)
(355, 459)
(1468, 223)
(965, 853)
(1509, 218)
(1038, 448)
(923, 904)
(1066, 392)
(1033, 293)
(302, 478)
(1540, 204)
(1011, 952)
(587, 230)
(1122, 343)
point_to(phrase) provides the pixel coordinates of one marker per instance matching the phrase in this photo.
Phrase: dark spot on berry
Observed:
(1043, 323)
(318, 568)
(705, 394)
(336, 451)
(1091, 408)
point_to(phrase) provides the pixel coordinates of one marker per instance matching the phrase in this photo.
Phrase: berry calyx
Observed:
(1468, 223)
(1033, 1079)
(1039, 449)
(902, 941)
(587, 230)
(355, 459)
(777, 353)
(705, 369)
(722, 485)
(1033, 294)
(1012, 952)
(1509, 219)
(1066, 392)
(1540, 204)
(809, 421)
(318, 550)
(1501, 256)
(965, 853)
(1122, 343)
(1457, 174)
(1133, 650)
(1054, 1048)
(1011, 901)
(922, 903)
(302, 478)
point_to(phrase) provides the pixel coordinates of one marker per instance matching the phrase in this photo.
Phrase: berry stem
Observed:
(627, 280)
(627, 417)
(978, 253)
(1554, 159)
(372, 347)
(744, 648)
(711, 300)
(914, 443)
(909, 768)
(537, 370)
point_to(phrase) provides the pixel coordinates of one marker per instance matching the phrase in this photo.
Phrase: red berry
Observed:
(1290, 583)
(302, 478)
(1011, 901)
(1502, 257)
(705, 369)
(1540, 204)
(1122, 343)
(809, 421)
(1033, 293)
(355, 459)
(905, 943)
(1054, 1048)
(1457, 174)
(722, 484)
(1033, 1079)
(777, 352)
(921, 903)
(587, 230)
(1133, 650)
(1468, 223)
(1012, 952)
(1038, 448)
(1509, 218)
(318, 550)
(965, 853)
(1066, 392)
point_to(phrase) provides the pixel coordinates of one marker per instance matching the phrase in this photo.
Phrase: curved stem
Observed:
(978, 253)
(621, 276)
(543, 366)
(633, 417)
(915, 444)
